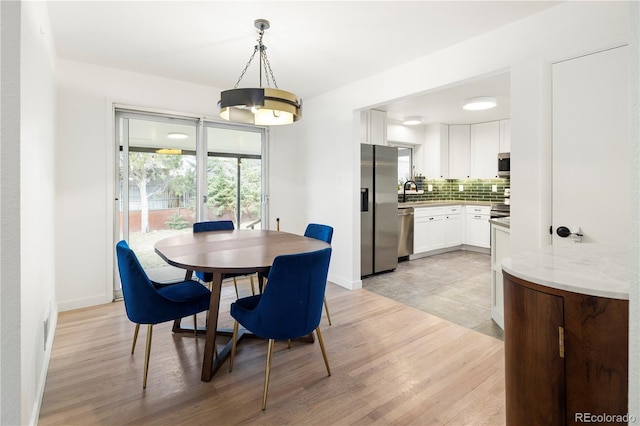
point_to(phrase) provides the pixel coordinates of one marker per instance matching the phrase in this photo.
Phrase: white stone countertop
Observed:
(505, 222)
(584, 268)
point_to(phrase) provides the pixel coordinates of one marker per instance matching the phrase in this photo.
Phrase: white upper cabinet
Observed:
(378, 127)
(459, 151)
(505, 136)
(485, 143)
(436, 151)
(373, 127)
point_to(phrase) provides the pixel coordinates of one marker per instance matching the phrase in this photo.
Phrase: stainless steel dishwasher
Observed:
(405, 231)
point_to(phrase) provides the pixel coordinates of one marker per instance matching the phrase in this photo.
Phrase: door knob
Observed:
(565, 232)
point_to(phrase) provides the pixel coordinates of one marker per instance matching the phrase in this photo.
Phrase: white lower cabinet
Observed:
(428, 229)
(477, 226)
(500, 248)
(436, 228)
(453, 226)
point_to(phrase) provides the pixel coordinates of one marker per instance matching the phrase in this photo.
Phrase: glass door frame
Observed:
(121, 132)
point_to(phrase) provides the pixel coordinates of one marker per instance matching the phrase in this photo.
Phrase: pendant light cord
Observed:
(264, 62)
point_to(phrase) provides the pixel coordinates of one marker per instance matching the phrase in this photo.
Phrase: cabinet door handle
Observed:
(561, 341)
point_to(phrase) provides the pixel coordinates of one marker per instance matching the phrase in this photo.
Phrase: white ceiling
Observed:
(313, 46)
(445, 105)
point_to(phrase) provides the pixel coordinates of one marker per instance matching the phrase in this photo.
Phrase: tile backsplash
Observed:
(449, 189)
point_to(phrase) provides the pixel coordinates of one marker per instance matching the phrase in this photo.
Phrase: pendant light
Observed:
(263, 106)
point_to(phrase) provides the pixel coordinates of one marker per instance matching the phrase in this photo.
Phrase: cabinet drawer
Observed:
(427, 211)
(449, 210)
(483, 210)
(426, 219)
(478, 216)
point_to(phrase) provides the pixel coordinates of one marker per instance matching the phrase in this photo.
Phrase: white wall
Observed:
(85, 168)
(27, 197)
(37, 230)
(10, 374)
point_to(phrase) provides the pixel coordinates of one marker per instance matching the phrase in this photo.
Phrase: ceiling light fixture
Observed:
(177, 135)
(479, 103)
(264, 106)
(412, 121)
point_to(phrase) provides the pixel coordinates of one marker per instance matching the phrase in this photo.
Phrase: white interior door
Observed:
(591, 148)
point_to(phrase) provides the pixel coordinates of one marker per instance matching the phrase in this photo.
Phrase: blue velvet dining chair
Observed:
(146, 303)
(324, 233)
(289, 307)
(219, 225)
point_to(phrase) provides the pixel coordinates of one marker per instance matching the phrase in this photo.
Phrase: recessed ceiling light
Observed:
(177, 135)
(479, 103)
(412, 121)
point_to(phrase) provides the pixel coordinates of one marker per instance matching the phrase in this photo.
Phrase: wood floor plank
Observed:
(391, 364)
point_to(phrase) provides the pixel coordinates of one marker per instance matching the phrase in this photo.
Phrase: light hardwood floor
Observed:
(390, 363)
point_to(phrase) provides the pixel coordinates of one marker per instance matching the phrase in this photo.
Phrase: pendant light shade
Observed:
(263, 106)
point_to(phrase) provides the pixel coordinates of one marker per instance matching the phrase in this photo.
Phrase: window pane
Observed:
(162, 185)
(404, 164)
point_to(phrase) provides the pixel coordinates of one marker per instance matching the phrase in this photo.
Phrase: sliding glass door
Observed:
(234, 176)
(174, 171)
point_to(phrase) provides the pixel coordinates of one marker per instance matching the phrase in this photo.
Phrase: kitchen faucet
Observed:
(404, 189)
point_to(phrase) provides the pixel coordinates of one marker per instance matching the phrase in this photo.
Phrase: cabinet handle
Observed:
(430, 218)
(561, 341)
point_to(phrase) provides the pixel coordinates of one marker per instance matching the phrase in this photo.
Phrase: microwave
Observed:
(504, 164)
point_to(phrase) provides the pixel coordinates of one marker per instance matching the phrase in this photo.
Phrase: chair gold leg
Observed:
(233, 345)
(146, 356)
(253, 288)
(235, 284)
(135, 338)
(324, 352)
(267, 374)
(288, 343)
(326, 309)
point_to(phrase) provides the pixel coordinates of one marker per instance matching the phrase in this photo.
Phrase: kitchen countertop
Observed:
(441, 203)
(584, 268)
(505, 222)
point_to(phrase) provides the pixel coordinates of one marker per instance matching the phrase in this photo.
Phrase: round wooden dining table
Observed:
(229, 252)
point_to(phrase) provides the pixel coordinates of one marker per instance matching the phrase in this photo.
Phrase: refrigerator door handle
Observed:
(364, 199)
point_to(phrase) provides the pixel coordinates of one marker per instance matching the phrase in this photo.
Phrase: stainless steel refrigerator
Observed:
(378, 209)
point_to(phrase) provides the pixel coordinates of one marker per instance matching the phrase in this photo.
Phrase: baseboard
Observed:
(42, 380)
(87, 302)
